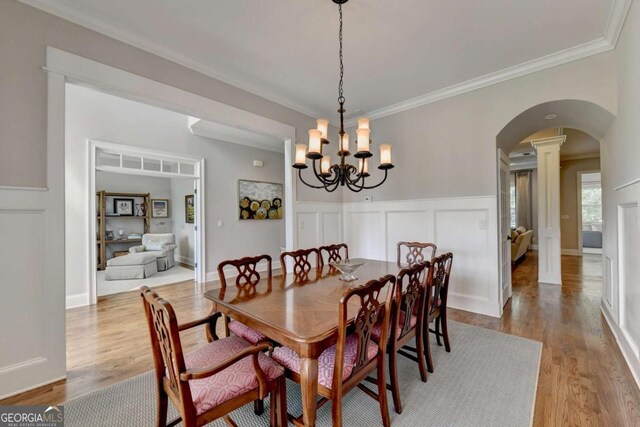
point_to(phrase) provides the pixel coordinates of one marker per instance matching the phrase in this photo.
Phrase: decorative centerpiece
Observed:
(348, 267)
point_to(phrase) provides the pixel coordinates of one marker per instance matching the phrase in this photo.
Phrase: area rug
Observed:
(488, 379)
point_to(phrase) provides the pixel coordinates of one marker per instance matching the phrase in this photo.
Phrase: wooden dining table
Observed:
(300, 312)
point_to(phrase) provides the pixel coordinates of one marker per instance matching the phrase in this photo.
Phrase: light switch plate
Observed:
(368, 199)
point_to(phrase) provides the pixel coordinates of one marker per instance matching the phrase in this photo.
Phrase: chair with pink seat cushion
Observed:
(410, 297)
(247, 278)
(344, 366)
(214, 379)
(436, 304)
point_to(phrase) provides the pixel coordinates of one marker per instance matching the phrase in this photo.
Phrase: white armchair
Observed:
(162, 245)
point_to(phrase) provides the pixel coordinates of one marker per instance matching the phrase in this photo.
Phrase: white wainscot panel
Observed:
(331, 227)
(25, 231)
(364, 235)
(307, 226)
(464, 232)
(629, 241)
(407, 226)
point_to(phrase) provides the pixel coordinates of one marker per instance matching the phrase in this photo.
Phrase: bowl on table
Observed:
(348, 267)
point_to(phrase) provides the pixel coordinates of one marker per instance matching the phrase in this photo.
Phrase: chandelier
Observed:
(329, 175)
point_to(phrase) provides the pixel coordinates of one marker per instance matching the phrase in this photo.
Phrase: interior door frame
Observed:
(579, 203)
(200, 242)
(502, 157)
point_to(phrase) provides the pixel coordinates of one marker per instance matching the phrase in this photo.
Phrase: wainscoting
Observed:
(465, 226)
(621, 293)
(32, 278)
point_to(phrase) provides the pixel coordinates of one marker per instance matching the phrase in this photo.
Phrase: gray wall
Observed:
(448, 148)
(24, 34)
(184, 232)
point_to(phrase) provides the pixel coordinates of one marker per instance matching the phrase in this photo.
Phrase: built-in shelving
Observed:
(102, 218)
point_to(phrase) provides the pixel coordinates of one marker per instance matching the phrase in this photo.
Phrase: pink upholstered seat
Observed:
(326, 362)
(375, 332)
(237, 379)
(246, 333)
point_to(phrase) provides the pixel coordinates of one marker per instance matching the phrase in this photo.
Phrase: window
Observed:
(512, 201)
(591, 205)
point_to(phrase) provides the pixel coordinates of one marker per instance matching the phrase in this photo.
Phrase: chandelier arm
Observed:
(386, 173)
(306, 183)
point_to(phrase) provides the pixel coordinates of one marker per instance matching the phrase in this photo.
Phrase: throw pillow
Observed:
(521, 229)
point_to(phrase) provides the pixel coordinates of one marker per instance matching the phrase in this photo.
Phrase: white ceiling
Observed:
(395, 51)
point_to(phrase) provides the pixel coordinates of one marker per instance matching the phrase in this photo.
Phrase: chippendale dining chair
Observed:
(436, 306)
(302, 264)
(415, 252)
(214, 379)
(333, 253)
(407, 321)
(246, 280)
(344, 366)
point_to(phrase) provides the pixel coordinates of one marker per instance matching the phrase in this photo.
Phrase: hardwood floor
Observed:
(584, 379)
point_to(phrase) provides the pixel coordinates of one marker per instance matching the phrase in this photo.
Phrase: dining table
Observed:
(298, 311)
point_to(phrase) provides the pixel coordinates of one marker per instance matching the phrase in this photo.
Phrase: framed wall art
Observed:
(259, 200)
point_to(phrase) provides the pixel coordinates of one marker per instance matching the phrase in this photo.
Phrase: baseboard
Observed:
(534, 247)
(185, 260)
(625, 347)
(77, 300)
(570, 252)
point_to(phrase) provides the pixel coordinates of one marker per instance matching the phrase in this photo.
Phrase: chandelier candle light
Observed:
(331, 176)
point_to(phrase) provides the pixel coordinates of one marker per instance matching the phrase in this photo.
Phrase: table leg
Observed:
(309, 388)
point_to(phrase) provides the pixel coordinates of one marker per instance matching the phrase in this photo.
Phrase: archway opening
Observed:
(545, 206)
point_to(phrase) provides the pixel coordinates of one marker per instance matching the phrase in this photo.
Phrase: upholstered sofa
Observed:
(520, 241)
(162, 245)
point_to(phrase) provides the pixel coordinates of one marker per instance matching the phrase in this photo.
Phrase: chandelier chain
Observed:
(340, 89)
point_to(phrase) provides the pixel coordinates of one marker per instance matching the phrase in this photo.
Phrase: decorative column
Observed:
(549, 253)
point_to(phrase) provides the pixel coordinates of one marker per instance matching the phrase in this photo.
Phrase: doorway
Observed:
(590, 218)
(167, 209)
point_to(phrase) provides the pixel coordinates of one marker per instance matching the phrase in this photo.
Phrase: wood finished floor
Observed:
(584, 379)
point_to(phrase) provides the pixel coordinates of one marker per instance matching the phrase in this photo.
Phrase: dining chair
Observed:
(246, 280)
(333, 253)
(344, 366)
(415, 252)
(407, 322)
(436, 305)
(302, 264)
(215, 378)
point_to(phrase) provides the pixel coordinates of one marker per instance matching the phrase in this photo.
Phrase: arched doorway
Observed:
(582, 116)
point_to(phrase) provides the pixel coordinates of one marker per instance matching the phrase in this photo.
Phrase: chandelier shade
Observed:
(331, 176)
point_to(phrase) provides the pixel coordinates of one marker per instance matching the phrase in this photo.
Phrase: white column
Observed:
(549, 254)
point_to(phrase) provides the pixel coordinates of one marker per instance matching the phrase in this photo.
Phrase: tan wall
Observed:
(569, 197)
(25, 32)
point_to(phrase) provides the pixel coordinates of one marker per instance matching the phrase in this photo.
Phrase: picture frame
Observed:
(123, 207)
(160, 208)
(260, 200)
(189, 209)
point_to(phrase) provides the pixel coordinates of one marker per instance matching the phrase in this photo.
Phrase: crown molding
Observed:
(579, 156)
(615, 24)
(617, 18)
(66, 12)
